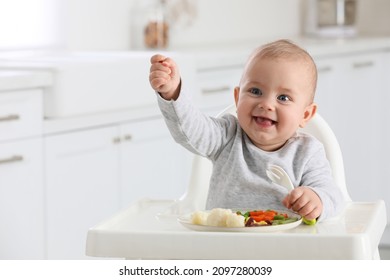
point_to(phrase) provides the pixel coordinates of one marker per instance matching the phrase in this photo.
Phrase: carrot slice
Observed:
(268, 215)
(256, 213)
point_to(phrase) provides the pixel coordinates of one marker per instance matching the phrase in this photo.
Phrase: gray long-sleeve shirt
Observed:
(239, 179)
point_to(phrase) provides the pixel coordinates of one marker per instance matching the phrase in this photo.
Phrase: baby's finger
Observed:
(159, 67)
(157, 83)
(159, 74)
(286, 202)
(299, 204)
(168, 62)
(313, 214)
(294, 195)
(297, 199)
(306, 210)
(157, 58)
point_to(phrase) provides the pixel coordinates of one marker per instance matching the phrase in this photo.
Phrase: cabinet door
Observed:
(152, 164)
(21, 200)
(82, 188)
(216, 88)
(349, 95)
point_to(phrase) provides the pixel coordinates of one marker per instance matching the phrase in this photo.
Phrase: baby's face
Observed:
(274, 100)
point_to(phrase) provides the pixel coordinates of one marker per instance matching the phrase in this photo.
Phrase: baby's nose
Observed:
(267, 103)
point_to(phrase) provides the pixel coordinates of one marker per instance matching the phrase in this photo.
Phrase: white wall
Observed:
(96, 24)
(106, 24)
(237, 20)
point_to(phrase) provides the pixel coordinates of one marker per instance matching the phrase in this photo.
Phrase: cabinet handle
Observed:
(8, 118)
(11, 159)
(128, 137)
(363, 64)
(215, 90)
(325, 69)
(116, 140)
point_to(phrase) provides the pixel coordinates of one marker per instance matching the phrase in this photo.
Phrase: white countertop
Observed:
(237, 53)
(212, 55)
(14, 79)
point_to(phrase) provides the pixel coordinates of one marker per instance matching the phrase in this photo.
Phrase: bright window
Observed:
(29, 24)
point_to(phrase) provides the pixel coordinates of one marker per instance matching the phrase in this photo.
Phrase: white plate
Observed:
(186, 222)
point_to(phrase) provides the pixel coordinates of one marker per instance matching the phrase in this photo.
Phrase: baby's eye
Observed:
(284, 98)
(255, 91)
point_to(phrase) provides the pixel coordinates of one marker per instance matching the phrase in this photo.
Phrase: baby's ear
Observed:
(236, 94)
(309, 112)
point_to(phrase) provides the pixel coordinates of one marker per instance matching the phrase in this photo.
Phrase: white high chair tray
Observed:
(139, 232)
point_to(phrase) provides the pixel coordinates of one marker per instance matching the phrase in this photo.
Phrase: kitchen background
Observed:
(74, 177)
(103, 25)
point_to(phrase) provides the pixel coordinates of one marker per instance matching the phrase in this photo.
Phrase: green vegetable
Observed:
(309, 222)
(279, 217)
(285, 221)
(246, 214)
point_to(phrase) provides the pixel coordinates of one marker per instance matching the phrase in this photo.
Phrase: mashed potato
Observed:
(235, 220)
(199, 218)
(218, 217)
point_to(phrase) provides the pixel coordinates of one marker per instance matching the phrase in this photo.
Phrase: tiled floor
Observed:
(384, 252)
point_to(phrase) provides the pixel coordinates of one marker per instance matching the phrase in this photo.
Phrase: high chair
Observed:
(149, 228)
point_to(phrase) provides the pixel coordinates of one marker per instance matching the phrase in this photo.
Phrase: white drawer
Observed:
(217, 87)
(20, 114)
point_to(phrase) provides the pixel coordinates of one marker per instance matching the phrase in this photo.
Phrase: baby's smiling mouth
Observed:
(264, 122)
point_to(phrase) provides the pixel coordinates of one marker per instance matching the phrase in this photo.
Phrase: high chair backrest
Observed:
(196, 195)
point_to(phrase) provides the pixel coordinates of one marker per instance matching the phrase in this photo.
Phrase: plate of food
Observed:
(219, 219)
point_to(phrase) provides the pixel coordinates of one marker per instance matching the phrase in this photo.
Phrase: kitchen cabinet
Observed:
(216, 88)
(21, 176)
(21, 200)
(353, 93)
(350, 98)
(81, 187)
(92, 173)
(151, 164)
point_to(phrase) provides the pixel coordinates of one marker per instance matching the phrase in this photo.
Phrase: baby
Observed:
(274, 98)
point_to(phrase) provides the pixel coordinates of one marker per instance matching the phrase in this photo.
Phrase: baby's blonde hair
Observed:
(286, 49)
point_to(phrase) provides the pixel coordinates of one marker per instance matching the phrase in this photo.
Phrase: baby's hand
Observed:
(305, 202)
(164, 77)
